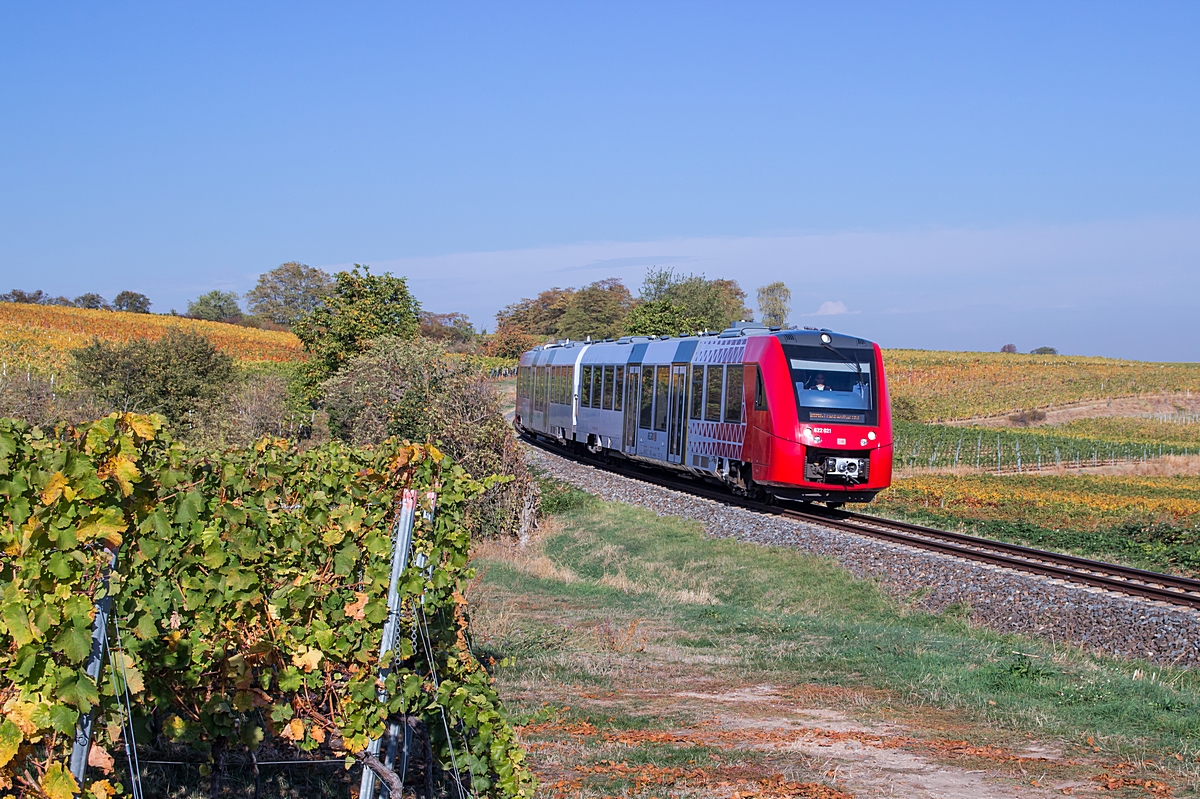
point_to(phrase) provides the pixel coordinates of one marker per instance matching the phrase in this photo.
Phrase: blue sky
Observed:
(948, 175)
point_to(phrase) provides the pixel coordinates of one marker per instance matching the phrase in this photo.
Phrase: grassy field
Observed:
(963, 385)
(646, 660)
(39, 337)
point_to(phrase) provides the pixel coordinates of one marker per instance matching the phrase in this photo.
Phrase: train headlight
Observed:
(826, 338)
(871, 435)
(807, 435)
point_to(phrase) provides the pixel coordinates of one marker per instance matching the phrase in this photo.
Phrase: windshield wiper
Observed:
(857, 366)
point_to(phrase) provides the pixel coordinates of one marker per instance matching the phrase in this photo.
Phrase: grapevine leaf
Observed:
(57, 783)
(63, 719)
(75, 642)
(10, 740)
(17, 622)
(78, 691)
(108, 524)
(54, 488)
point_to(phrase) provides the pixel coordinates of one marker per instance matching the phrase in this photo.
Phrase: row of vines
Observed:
(926, 446)
(248, 600)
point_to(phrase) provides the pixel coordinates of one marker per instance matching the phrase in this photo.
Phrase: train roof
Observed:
(739, 330)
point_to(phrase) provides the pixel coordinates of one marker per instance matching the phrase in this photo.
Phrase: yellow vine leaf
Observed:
(21, 714)
(10, 741)
(58, 783)
(308, 660)
(103, 789)
(125, 472)
(293, 730)
(54, 488)
(142, 426)
(108, 524)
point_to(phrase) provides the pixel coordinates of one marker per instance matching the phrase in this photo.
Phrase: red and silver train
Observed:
(795, 414)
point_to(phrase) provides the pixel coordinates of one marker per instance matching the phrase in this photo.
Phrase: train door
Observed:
(678, 423)
(633, 392)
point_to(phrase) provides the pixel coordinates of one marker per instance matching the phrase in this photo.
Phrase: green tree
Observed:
(716, 303)
(215, 306)
(775, 304)
(92, 301)
(597, 310)
(174, 375)
(288, 291)
(360, 308)
(661, 318)
(131, 302)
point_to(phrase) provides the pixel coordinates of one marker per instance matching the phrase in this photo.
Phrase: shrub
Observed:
(408, 388)
(1026, 418)
(175, 375)
(1010, 348)
(36, 400)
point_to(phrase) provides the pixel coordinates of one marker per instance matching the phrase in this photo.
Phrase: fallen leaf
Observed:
(98, 758)
(318, 734)
(355, 609)
(293, 730)
(102, 789)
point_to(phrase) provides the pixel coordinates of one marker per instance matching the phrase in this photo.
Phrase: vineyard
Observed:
(248, 597)
(944, 386)
(942, 447)
(40, 337)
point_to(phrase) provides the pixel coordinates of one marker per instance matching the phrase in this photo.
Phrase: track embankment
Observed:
(996, 597)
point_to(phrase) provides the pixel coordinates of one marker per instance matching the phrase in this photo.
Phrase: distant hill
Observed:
(943, 386)
(40, 337)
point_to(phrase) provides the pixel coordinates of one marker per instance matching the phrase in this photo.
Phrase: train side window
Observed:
(662, 386)
(646, 416)
(562, 385)
(733, 393)
(585, 389)
(554, 384)
(712, 402)
(618, 388)
(760, 391)
(697, 392)
(608, 388)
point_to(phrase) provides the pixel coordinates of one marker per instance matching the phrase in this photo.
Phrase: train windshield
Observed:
(830, 388)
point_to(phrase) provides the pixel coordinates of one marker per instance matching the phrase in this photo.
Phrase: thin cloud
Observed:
(637, 260)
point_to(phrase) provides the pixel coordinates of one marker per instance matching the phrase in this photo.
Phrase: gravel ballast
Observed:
(1001, 599)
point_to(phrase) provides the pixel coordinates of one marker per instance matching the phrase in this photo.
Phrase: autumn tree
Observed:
(661, 318)
(448, 328)
(91, 301)
(360, 308)
(775, 304)
(597, 310)
(288, 291)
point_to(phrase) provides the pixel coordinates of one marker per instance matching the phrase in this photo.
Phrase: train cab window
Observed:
(662, 386)
(712, 403)
(585, 388)
(760, 391)
(733, 393)
(608, 388)
(645, 415)
(618, 388)
(697, 407)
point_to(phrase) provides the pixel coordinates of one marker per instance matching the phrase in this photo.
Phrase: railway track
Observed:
(1110, 576)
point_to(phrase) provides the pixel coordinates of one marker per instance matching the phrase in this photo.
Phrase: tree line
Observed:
(668, 303)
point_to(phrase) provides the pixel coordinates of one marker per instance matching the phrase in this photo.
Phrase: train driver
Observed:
(818, 383)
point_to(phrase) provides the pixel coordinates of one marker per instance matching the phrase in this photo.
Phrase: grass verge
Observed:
(634, 645)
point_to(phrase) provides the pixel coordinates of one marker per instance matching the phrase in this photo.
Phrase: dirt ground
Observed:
(1117, 406)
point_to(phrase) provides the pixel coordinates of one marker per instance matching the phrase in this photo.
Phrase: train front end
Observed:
(825, 433)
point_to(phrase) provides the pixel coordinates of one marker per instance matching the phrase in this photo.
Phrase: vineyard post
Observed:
(95, 661)
(398, 728)
(401, 543)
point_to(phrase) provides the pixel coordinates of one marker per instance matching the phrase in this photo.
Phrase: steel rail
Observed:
(1110, 576)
